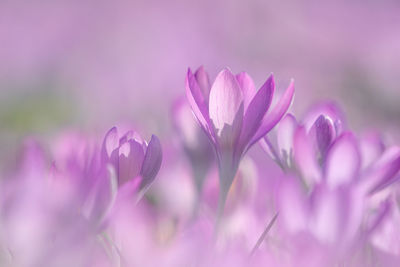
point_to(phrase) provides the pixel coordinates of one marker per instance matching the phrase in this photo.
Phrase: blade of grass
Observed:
(264, 234)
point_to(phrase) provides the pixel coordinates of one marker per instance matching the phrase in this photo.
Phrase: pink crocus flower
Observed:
(132, 157)
(321, 149)
(68, 206)
(234, 115)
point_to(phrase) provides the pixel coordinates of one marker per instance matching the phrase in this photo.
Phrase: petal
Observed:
(285, 135)
(152, 161)
(293, 205)
(305, 157)
(385, 170)
(131, 135)
(383, 211)
(328, 109)
(185, 124)
(226, 106)
(102, 197)
(228, 137)
(342, 161)
(109, 150)
(127, 190)
(225, 99)
(127, 136)
(204, 82)
(385, 236)
(256, 111)
(266, 145)
(371, 148)
(131, 156)
(110, 142)
(322, 132)
(248, 88)
(326, 218)
(198, 103)
(275, 115)
(336, 213)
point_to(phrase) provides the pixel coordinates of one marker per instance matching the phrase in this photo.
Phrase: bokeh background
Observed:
(89, 64)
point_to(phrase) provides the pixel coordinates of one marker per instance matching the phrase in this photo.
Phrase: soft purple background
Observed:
(91, 64)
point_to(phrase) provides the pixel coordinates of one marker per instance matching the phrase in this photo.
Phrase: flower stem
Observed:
(264, 234)
(227, 173)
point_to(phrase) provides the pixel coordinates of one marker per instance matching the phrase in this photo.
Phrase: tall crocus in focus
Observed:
(135, 161)
(234, 116)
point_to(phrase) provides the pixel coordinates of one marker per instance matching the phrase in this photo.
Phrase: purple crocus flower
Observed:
(132, 158)
(234, 116)
(322, 124)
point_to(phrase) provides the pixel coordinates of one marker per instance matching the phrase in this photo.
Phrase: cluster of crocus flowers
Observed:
(53, 212)
(332, 182)
(328, 197)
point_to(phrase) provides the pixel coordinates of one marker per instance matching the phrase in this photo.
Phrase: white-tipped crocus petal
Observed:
(226, 106)
(152, 161)
(256, 111)
(198, 103)
(275, 115)
(342, 161)
(305, 157)
(285, 135)
(248, 88)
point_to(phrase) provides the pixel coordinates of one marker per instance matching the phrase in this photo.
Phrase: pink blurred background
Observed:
(90, 64)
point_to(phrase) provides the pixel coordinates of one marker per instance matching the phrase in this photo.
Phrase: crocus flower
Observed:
(50, 216)
(312, 136)
(132, 157)
(234, 115)
(321, 143)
